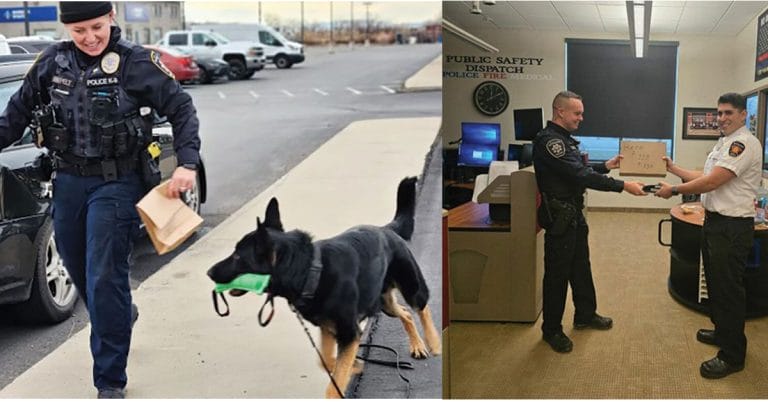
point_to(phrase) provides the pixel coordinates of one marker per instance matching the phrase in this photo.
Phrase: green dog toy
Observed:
(256, 283)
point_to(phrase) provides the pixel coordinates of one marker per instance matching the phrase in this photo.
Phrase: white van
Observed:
(4, 48)
(277, 49)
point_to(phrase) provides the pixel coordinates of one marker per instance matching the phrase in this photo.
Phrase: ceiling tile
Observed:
(725, 18)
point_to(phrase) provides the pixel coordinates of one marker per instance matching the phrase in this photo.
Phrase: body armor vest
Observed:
(87, 99)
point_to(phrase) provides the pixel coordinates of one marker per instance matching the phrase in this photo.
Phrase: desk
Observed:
(685, 260)
(496, 269)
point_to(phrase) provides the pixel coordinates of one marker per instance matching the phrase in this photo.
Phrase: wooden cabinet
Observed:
(496, 269)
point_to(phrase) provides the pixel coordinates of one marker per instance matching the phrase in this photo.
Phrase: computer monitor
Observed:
(526, 156)
(479, 144)
(514, 151)
(477, 154)
(528, 123)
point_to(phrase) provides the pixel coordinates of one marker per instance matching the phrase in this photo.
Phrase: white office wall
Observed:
(708, 66)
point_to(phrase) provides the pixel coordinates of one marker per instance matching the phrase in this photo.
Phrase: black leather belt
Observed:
(715, 215)
(79, 166)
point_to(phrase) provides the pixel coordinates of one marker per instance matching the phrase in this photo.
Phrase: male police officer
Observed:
(90, 97)
(562, 178)
(728, 184)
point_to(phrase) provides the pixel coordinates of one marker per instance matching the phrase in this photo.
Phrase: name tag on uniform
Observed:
(97, 82)
(62, 81)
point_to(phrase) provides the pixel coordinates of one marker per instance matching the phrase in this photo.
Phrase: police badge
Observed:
(110, 62)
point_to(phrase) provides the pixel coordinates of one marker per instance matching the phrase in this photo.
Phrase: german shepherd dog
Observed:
(335, 283)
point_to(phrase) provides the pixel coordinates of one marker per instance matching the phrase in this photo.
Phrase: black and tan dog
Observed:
(335, 283)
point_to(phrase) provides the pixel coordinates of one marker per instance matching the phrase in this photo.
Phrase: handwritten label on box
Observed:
(643, 158)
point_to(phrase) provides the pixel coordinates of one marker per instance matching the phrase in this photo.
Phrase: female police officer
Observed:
(90, 96)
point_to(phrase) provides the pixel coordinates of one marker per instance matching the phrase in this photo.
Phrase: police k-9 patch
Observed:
(736, 148)
(556, 147)
(155, 57)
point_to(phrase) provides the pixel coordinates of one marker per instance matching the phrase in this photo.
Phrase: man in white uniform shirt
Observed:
(728, 185)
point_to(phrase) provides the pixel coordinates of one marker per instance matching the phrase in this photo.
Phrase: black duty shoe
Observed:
(111, 393)
(716, 368)
(597, 322)
(706, 336)
(559, 342)
(134, 314)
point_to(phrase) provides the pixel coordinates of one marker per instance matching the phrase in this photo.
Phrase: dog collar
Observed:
(313, 277)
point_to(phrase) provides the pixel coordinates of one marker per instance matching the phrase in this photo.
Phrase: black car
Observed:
(34, 282)
(211, 70)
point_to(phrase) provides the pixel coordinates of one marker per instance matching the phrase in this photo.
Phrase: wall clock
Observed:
(491, 98)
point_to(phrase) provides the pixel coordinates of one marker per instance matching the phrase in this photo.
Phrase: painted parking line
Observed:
(354, 91)
(386, 88)
(321, 92)
(287, 93)
(254, 94)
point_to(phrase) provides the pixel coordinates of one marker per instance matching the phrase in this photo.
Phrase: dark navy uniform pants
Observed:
(95, 223)
(566, 260)
(726, 243)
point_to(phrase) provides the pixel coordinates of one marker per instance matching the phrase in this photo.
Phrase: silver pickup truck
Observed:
(244, 58)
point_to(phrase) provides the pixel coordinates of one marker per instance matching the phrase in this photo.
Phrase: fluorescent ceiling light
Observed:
(639, 21)
(472, 39)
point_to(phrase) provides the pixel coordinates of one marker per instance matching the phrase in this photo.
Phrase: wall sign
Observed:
(494, 67)
(761, 60)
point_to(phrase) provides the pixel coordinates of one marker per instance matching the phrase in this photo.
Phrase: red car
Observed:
(182, 65)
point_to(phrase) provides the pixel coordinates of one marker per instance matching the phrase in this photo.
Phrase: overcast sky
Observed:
(314, 11)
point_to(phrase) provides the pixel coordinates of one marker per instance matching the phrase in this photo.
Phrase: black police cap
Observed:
(76, 11)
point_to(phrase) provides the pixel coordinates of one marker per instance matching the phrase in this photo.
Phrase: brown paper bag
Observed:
(168, 220)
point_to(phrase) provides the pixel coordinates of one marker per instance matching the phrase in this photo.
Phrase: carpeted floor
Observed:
(651, 352)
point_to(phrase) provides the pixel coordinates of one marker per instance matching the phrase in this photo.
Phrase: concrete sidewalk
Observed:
(182, 349)
(429, 78)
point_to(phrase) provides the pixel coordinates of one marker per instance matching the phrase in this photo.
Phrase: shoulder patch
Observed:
(556, 147)
(736, 148)
(155, 57)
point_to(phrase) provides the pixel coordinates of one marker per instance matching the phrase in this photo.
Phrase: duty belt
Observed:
(109, 168)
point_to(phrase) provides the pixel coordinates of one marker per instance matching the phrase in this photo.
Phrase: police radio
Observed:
(49, 133)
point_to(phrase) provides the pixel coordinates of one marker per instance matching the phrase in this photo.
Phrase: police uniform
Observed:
(96, 133)
(727, 238)
(562, 177)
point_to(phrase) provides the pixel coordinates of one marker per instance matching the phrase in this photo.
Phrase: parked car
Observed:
(32, 45)
(211, 69)
(4, 48)
(182, 65)
(277, 48)
(34, 282)
(244, 58)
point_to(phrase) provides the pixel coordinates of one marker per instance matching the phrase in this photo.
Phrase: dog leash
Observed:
(396, 364)
(312, 341)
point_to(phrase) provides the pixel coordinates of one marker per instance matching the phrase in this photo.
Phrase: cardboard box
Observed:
(643, 158)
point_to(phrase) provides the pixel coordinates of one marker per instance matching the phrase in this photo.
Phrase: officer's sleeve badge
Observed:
(736, 148)
(155, 57)
(556, 147)
(110, 62)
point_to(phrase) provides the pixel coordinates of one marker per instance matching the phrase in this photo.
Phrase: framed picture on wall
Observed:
(700, 123)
